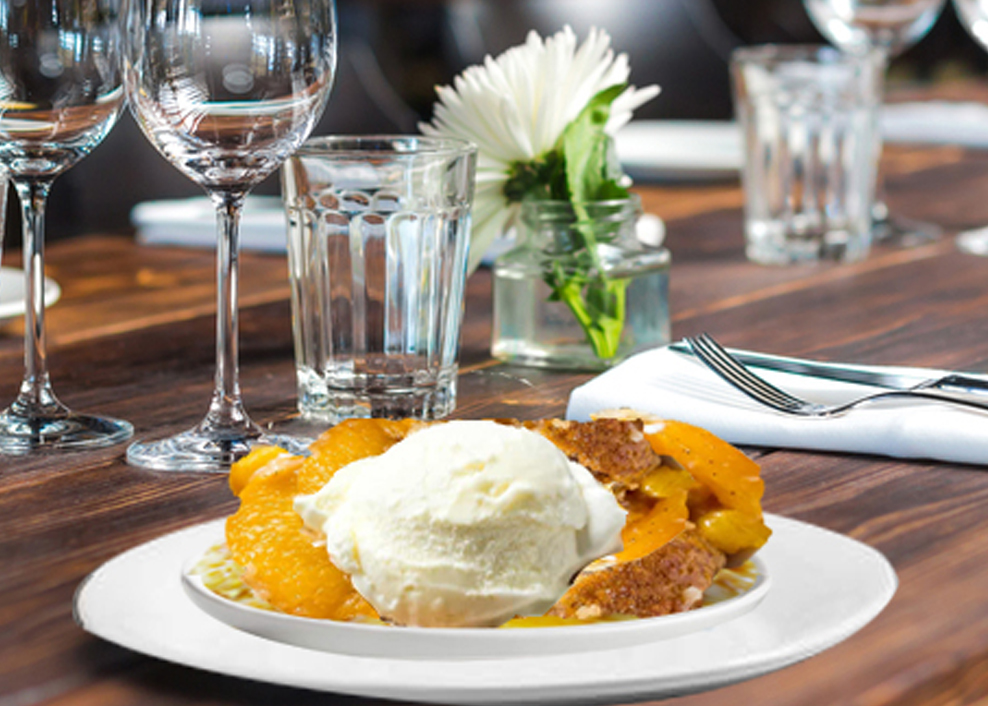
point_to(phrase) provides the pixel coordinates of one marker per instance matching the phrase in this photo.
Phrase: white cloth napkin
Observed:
(675, 386)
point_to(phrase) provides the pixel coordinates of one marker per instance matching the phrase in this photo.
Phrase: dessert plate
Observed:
(366, 640)
(12, 292)
(824, 588)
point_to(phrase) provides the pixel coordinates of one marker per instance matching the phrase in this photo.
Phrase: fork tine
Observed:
(744, 383)
(715, 357)
(723, 363)
(742, 371)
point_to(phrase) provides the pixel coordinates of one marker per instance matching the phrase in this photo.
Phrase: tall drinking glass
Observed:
(886, 28)
(226, 90)
(61, 90)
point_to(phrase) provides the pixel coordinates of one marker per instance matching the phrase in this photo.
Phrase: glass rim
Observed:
(821, 53)
(394, 146)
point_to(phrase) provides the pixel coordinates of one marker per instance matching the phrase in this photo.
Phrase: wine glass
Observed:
(885, 28)
(973, 14)
(225, 90)
(61, 90)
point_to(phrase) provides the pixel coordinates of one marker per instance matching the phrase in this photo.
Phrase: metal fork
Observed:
(733, 371)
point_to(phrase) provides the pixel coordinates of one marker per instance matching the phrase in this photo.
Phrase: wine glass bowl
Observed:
(858, 26)
(226, 91)
(973, 14)
(224, 109)
(61, 91)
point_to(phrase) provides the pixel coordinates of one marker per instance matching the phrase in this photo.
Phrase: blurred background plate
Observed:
(711, 150)
(192, 223)
(680, 150)
(12, 292)
(936, 123)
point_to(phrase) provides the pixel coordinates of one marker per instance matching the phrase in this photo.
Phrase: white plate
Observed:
(680, 150)
(824, 588)
(192, 223)
(702, 150)
(463, 643)
(936, 123)
(12, 292)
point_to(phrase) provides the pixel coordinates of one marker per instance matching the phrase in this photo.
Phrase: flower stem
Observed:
(597, 303)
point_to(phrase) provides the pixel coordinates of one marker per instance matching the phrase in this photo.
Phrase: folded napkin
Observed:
(675, 386)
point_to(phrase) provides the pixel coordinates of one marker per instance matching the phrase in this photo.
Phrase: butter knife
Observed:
(893, 378)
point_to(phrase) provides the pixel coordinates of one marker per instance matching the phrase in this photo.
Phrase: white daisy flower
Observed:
(515, 108)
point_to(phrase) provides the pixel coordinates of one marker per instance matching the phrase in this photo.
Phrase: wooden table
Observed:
(133, 337)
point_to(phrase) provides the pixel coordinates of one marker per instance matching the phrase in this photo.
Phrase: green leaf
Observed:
(592, 174)
(541, 179)
(591, 171)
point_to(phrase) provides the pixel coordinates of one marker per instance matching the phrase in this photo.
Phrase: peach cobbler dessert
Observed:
(479, 523)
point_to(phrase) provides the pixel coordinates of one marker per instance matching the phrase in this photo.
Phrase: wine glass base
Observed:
(197, 452)
(973, 242)
(23, 434)
(899, 232)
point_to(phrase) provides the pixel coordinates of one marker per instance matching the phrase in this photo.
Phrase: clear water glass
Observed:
(225, 90)
(806, 114)
(883, 28)
(61, 73)
(379, 229)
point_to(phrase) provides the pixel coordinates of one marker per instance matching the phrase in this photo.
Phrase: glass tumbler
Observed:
(807, 114)
(378, 234)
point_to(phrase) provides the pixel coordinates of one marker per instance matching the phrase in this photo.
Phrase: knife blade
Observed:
(892, 378)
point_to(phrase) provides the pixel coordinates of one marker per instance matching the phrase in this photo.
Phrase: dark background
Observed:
(393, 53)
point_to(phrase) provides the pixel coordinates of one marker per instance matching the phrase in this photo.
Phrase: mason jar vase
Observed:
(579, 290)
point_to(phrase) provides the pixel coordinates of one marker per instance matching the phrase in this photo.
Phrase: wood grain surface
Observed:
(133, 337)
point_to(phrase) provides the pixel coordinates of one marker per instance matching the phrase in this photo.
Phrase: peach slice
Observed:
(644, 533)
(282, 563)
(732, 477)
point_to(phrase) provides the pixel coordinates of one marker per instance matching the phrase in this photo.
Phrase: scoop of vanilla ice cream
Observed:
(466, 523)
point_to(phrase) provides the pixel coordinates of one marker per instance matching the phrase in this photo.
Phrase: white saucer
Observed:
(824, 588)
(12, 292)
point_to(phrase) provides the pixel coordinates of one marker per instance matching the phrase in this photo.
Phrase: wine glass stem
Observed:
(36, 393)
(880, 209)
(226, 411)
